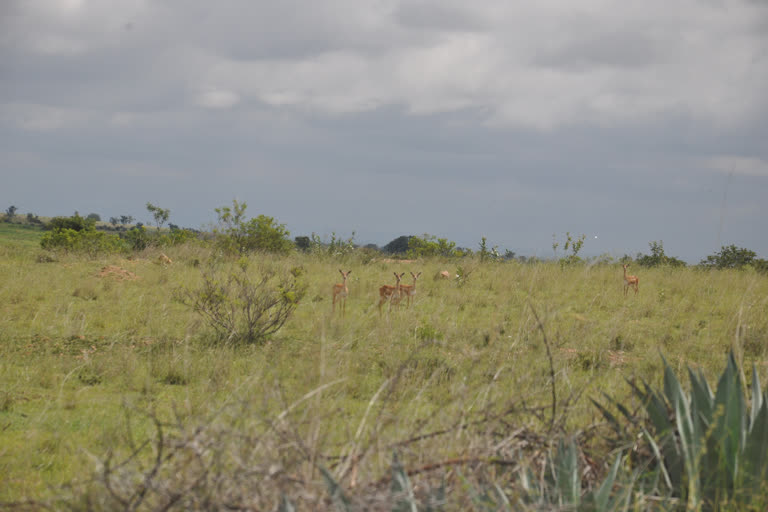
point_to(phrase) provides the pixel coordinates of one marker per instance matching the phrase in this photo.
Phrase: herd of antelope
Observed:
(395, 294)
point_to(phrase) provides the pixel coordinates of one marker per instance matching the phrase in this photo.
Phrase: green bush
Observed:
(137, 238)
(429, 246)
(657, 257)
(176, 236)
(90, 242)
(75, 223)
(731, 257)
(237, 235)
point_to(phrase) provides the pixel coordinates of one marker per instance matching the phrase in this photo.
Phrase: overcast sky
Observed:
(628, 122)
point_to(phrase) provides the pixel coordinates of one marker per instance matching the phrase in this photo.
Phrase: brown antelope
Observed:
(409, 290)
(391, 293)
(340, 292)
(632, 281)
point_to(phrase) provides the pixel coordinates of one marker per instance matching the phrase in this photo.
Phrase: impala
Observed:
(391, 293)
(632, 281)
(340, 292)
(409, 290)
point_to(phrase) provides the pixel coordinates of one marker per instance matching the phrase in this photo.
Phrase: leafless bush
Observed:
(243, 306)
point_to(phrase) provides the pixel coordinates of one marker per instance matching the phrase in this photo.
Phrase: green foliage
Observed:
(336, 247)
(242, 306)
(733, 257)
(430, 246)
(710, 449)
(397, 246)
(489, 255)
(303, 243)
(75, 223)
(90, 242)
(236, 234)
(658, 258)
(10, 213)
(95, 217)
(137, 238)
(159, 214)
(78, 234)
(574, 244)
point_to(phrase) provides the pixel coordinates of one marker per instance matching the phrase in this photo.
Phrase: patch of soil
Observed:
(117, 273)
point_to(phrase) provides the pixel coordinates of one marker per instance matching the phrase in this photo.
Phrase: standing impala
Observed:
(391, 293)
(409, 290)
(632, 281)
(340, 292)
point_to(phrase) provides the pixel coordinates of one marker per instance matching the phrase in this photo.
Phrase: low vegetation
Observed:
(184, 376)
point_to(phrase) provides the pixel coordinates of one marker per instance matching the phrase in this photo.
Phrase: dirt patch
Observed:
(118, 273)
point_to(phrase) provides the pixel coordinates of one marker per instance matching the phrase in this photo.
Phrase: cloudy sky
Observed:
(626, 121)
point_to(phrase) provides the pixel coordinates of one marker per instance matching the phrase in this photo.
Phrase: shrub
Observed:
(75, 223)
(91, 242)
(242, 306)
(428, 245)
(137, 238)
(236, 235)
(730, 257)
(176, 236)
(335, 247)
(657, 257)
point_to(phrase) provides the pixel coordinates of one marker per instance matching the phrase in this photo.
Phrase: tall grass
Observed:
(457, 384)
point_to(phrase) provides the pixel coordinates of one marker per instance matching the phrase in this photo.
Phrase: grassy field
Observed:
(97, 357)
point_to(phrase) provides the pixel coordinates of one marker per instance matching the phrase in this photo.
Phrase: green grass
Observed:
(80, 353)
(19, 235)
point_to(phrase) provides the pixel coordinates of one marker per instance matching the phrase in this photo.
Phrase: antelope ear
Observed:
(349, 272)
(341, 272)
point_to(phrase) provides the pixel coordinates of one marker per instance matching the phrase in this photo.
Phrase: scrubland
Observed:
(113, 394)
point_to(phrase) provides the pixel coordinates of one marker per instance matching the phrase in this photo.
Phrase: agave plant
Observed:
(712, 452)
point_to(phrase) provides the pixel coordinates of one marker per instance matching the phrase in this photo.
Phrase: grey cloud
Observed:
(439, 15)
(123, 118)
(615, 49)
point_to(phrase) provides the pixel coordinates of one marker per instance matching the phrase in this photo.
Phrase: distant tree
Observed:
(33, 219)
(75, 223)
(428, 245)
(10, 213)
(114, 221)
(730, 257)
(159, 214)
(126, 219)
(397, 246)
(372, 247)
(657, 257)
(94, 217)
(303, 243)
